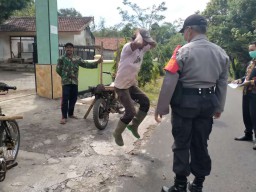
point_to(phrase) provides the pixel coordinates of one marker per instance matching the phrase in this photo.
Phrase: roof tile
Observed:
(27, 24)
(109, 43)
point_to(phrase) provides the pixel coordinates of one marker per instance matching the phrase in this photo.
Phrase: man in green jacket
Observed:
(68, 68)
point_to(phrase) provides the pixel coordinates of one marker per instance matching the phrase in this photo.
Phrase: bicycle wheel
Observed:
(10, 142)
(100, 114)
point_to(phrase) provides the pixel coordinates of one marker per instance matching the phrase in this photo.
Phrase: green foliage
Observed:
(152, 90)
(164, 51)
(142, 17)
(232, 26)
(162, 33)
(145, 74)
(127, 31)
(117, 55)
(28, 11)
(155, 72)
(7, 7)
(69, 12)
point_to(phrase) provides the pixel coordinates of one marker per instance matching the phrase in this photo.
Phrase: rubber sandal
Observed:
(63, 121)
(73, 117)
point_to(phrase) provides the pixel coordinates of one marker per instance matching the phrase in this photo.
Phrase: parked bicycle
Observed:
(9, 138)
(105, 102)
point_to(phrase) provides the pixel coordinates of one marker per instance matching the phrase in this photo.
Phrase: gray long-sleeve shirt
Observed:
(202, 65)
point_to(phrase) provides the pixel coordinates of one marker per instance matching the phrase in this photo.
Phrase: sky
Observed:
(107, 9)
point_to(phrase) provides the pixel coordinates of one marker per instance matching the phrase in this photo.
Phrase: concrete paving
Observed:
(22, 80)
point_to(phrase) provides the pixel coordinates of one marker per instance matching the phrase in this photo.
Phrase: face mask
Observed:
(252, 54)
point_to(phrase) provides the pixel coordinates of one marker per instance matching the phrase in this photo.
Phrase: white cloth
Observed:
(129, 66)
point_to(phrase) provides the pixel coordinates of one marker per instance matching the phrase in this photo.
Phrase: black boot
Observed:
(179, 186)
(196, 185)
(254, 146)
(247, 137)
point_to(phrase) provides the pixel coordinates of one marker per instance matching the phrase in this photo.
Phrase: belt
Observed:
(198, 91)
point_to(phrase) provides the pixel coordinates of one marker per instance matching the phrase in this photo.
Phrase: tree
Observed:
(127, 31)
(28, 11)
(232, 26)
(162, 33)
(142, 17)
(7, 7)
(145, 74)
(69, 12)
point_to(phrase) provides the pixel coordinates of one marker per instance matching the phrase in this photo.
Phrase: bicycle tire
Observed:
(13, 128)
(100, 114)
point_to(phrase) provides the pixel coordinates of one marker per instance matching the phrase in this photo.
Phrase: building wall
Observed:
(4, 48)
(108, 54)
(5, 53)
(89, 38)
(79, 39)
(66, 37)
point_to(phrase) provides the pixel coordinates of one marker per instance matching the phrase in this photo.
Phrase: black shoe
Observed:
(179, 186)
(246, 137)
(173, 189)
(254, 146)
(194, 188)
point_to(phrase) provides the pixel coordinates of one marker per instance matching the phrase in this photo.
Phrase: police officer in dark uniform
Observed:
(249, 97)
(199, 78)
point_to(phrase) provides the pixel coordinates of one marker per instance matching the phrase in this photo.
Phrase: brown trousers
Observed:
(127, 97)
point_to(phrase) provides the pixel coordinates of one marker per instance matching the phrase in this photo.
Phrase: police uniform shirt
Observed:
(202, 65)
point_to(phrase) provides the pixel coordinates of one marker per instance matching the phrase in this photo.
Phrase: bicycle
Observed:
(105, 102)
(9, 138)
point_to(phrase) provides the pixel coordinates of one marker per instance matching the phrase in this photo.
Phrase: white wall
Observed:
(66, 37)
(75, 38)
(79, 39)
(4, 47)
(5, 53)
(1, 50)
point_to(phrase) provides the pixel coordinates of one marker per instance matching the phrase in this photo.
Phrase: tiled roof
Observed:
(28, 24)
(109, 43)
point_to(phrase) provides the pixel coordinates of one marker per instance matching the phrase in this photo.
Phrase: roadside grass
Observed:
(152, 90)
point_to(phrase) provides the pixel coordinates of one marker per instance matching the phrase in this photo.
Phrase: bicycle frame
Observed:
(7, 142)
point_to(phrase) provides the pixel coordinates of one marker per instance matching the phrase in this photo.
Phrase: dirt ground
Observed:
(75, 157)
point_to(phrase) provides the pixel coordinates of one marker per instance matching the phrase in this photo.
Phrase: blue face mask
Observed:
(252, 54)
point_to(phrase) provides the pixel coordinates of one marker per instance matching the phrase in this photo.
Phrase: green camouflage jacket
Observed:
(68, 68)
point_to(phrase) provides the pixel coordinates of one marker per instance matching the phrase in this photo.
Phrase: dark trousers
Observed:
(127, 98)
(191, 126)
(69, 98)
(249, 112)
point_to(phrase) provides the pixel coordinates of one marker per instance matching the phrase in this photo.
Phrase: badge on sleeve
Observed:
(172, 66)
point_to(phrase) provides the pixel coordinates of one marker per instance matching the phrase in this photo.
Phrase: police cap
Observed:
(194, 19)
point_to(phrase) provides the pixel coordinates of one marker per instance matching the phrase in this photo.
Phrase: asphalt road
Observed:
(233, 162)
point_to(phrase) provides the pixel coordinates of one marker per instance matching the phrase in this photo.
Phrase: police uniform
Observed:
(203, 72)
(249, 103)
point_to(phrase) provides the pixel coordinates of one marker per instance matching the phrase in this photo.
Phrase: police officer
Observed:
(249, 97)
(201, 68)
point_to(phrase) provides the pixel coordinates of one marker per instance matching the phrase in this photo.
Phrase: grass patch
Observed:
(152, 90)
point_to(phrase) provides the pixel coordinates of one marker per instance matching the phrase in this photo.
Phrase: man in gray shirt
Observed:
(195, 85)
